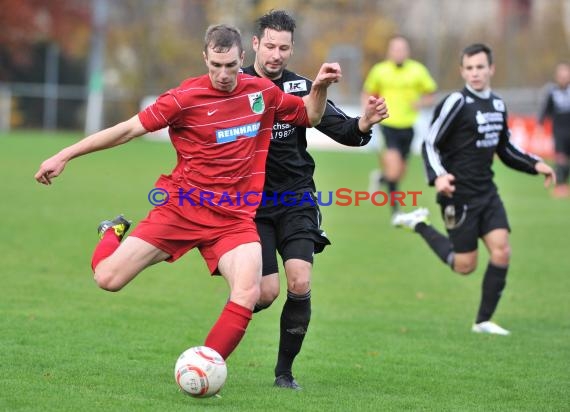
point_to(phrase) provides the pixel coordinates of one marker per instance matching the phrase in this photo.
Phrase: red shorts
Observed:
(176, 231)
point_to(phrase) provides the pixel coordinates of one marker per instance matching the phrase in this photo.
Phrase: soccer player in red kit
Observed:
(220, 125)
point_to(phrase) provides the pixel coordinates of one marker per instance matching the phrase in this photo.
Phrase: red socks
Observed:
(226, 334)
(105, 247)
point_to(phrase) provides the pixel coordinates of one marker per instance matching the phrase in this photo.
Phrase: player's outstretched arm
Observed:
(316, 100)
(549, 175)
(375, 111)
(352, 131)
(104, 139)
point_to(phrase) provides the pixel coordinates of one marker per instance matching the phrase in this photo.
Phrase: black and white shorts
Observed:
(467, 220)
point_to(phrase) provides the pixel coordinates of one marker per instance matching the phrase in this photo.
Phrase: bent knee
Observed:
(501, 256)
(299, 286)
(465, 268)
(107, 280)
(298, 276)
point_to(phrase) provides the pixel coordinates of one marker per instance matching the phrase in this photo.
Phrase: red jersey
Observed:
(221, 140)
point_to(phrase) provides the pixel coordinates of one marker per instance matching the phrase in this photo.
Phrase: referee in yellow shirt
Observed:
(407, 86)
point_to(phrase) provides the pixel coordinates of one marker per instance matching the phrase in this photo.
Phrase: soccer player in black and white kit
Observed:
(294, 230)
(468, 128)
(557, 107)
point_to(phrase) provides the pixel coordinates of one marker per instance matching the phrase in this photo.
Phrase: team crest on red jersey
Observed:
(256, 102)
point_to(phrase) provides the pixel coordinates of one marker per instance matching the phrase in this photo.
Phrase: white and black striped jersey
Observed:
(289, 166)
(557, 107)
(466, 131)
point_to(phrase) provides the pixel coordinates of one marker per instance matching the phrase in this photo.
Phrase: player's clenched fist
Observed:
(329, 73)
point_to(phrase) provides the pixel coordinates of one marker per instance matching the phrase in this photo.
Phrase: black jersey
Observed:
(466, 132)
(557, 107)
(289, 166)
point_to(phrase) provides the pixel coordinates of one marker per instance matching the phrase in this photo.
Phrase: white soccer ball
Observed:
(200, 372)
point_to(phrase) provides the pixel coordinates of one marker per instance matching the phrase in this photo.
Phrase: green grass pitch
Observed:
(390, 329)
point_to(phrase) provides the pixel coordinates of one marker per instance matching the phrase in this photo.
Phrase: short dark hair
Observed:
(476, 48)
(221, 38)
(278, 20)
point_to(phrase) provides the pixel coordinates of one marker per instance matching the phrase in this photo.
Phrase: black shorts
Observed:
(293, 231)
(398, 139)
(468, 220)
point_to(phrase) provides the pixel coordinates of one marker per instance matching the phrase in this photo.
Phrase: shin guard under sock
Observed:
(295, 319)
(229, 329)
(494, 282)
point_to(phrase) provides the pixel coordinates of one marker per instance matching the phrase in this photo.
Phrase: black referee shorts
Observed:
(293, 231)
(398, 139)
(467, 220)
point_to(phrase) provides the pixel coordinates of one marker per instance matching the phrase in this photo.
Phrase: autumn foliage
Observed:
(25, 23)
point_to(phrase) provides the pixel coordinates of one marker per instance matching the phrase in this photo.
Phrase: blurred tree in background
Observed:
(27, 23)
(35, 36)
(151, 45)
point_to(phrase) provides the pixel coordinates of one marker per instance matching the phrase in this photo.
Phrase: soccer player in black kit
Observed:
(468, 128)
(289, 227)
(557, 107)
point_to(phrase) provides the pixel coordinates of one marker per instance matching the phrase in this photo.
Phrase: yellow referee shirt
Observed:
(402, 87)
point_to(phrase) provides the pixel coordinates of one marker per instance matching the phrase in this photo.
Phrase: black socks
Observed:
(439, 243)
(494, 282)
(562, 172)
(392, 187)
(294, 324)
